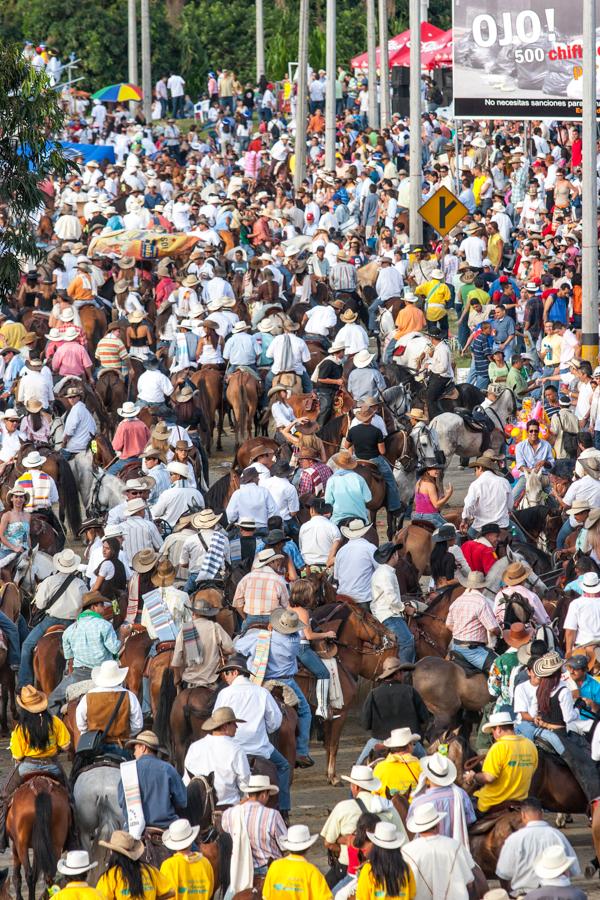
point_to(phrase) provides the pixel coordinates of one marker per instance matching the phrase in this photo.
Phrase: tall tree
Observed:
(30, 114)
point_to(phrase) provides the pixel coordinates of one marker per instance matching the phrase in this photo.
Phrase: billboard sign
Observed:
(518, 60)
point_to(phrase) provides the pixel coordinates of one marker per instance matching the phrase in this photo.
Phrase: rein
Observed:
(208, 804)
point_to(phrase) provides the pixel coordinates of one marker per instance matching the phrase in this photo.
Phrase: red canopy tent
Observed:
(399, 47)
(435, 54)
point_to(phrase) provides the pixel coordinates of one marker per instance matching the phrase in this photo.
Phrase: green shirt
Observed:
(516, 381)
(496, 372)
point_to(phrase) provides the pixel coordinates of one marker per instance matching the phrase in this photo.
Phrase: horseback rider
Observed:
(162, 793)
(35, 743)
(441, 372)
(206, 554)
(488, 500)
(514, 578)
(80, 426)
(42, 492)
(219, 753)
(424, 438)
(368, 443)
(471, 621)
(130, 438)
(199, 647)
(107, 700)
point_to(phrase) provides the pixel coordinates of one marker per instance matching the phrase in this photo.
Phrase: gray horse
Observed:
(97, 809)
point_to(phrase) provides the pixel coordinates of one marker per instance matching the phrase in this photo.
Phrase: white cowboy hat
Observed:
(355, 529)
(496, 720)
(474, 581)
(177, 468)
(267, 325)
(206, 519)
(552, 862)
(109, 674)
(298, 838)
(256, 784)
(134, 506)
(240, 326)
(265, 557)
(590, 583)
(113, 530)
(70, 334)
(401, 737)
(438, 769)
(33, 460)
(437, 274)
(66, 561)
(337, 347)
(362, 359)
(75, 863)
(386, 835)
(362, 776)
(215, 305)
(67, 315)
(423, 818)
(180, 834)
(409, 297)
(129, 410)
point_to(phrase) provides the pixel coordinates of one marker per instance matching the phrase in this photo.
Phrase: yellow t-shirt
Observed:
(59, 737)
(513, 761)
(12, 334)
(399, 772)
(77, 890)
(156, 885)
(494, 249)
(292, 878)
(189, 875)
(368, 889)
(436, 295)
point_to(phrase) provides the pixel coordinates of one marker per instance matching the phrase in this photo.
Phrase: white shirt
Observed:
(316, 538)
(473, 249)
(251, 501)
(300, 353)
(489, 499)
(193, 550)
(442, 867)
(583, 617)
(222, 755)
(389, 283)
(34, 385)
(584, 400)
(385, 593)
(285, 496)
(520, 851)
(320, 320)
(261, 715)
(136, 719)
(586, 488)
(441, 361)
(79, 428)
(175, 84)
(175, 502)
(282, 414)
(11, 444)
(353, 569)
(354, 337)
(153, 387)
(68, 605)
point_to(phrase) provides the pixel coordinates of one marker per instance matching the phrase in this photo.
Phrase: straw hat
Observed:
(124, 843)
(363, 777)
(438, 769)
(32, 700)
(180, 834)
(222, 716)
(129, 410)
(548, 664)
(392, 665)
(239, 327)
(344, 460)
(66, 561)
(424, 817)
(33, 406)
(386, 835)
(349, 316)
(553, 862)
(144, 560)
(164, 575)
(126, 262)
(362, 359)
(418, 414)
(138, 504)
(356, 528)
(148, 739)
(256, 784)
(298, 838)
(121, 286)
(76, 862)
(497, 720)
(579, 506)
(71, 334)
(401, 737)
(285, 621)
(516, 573)
(266, 557)
(484, 462)
(136, 317)
(206, 519)
(474, 581)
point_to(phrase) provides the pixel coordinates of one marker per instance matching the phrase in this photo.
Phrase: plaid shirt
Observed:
(260, 592)
(89, 641)
(314, 479)
(470, 617)
(264, 826)
(520, 182)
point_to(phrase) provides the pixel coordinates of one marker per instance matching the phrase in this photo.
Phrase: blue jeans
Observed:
(563, 534)
(120, 464)
(313, 662)
(283, 779)
(480, 381)
(304, 718)
(11, 633)
(394, 502)
(373, 313)
(25, 675)
(190, 585)
(406, 642)
(477, 656)
(252, 620)
(436, 519)
(29, 768)
(307, 385)
(597, 440)
(528, 729)
(388, 353)
(418, 750)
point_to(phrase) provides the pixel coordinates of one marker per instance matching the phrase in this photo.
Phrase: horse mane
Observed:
(364, 614)
(331, 429)
(532, 519)
(215, 495)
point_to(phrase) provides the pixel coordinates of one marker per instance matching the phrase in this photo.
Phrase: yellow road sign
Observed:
(443, 211)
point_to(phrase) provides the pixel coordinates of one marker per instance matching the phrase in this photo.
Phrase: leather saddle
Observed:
(477, 422)
(55, 629)
(547, 748)
(469, 670)
(493, 816)
(424, 524)
(451, 393)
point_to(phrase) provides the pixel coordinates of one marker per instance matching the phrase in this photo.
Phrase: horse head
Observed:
(202, 801)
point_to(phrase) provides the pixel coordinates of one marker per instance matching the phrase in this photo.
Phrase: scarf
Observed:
(160, 616)
(261, 656)
(286, 363)
(241, 872)
(133, 600)
(194, 652)
(214, 556)
(133, 799)
(181, 359)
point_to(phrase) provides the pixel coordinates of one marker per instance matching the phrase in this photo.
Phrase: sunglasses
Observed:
(533, 431)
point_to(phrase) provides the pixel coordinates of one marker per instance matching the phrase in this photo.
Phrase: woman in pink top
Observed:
(428, 502)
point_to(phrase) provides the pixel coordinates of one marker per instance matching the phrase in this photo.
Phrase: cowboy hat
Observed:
(362, 359)
(93, 597)
(386, 835)
(135, 484)
(437, 275)
(32, 700)
(266, 557)
(392, 665)
(590, 583)
(66, 561)
(33, 406)
(239, 327)
(148, 739)
(177, 468)
(424, 817)
(256, 784)
(129, 410)
(445, 532)
(236, 661)
(124, 843)
(473, 582)
(438, 769)
(206, 519)
(517, 635)
(18, 491)
(548, 664)
(76, 862)
(190, 281)
(121, 285)
(337, 347)
(356, 528)
(284, 621)
(552, 862)
(109, 674)
(516, 573)
(12, 415)
(276, 389)
(344, 460)
(385, 552)
(498, 720)
(70, 334)
(592, 519)
(401, 737)
(33, 460)
(136, 505)
(484, 462)
(222, 716)
(579, 506)
(267, 325)
(363, 777)
(136, 316)
(184, 395)
(164, 575)
(259, 451)
(418, 414)
(349, 316)
(113, 530)
(298, 838)
(126, 262)
(180, 834)
(591, 466)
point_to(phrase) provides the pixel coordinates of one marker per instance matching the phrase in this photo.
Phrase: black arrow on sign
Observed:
(445, 210)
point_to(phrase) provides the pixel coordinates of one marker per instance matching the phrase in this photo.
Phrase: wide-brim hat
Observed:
(386, 835)
(66, 561)
(392, 665)
(76, 862)
(362, 359)
(345, 460)
(363, 777)
(32, 700)
(518, 634)
(285, 621)
(18, 491)
(591, 466)
(424, 817)
(236, 661)
(553, 862)
(126, 262)
(473, 582)
(484, 462)
(579, 506)
(355, 529)
(418, 414)
(496, 720)
(33, 460)
(438, 769)
(180, 834)
(401, 737)
(124, 843)
(144, 560)
(33, 406)
(590, 583)
(164, 575)
(91, 598)
(256, 784)
(148, 739)
(349, 316)
(298, 838)
(516, 573)
(129, 410)
(222, 716)
(206, 519)
(109, 674)
(548, 664)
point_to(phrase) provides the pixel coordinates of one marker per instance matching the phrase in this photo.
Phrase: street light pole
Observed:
(372, 64)
(589, 269)
(300, 145)
(132, 61)
(146, 61)
(260, 40)
(384, 64)
(415, 160)
(330, 90)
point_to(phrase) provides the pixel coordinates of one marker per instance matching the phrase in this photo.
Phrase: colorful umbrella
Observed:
(118, 93)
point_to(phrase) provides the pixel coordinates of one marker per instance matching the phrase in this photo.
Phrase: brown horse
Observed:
(93, 322)
(209, 382)
(317, 355)
(432, 637)
(242, 394)
(134, 654)
(43, 535)
(446, 691)
(244, 451)
(416, 541)
(10, 604)
(48, 660)
(112, 393)
(38, 819)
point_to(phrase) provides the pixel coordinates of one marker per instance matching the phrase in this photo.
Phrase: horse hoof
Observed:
(590, 870)
(334, 781)
(561, 820)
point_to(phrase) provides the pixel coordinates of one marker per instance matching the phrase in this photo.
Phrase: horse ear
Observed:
(456, 731)
(211, 779)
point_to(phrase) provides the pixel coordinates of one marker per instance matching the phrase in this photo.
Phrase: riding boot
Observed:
(583, 768)
(322, 691)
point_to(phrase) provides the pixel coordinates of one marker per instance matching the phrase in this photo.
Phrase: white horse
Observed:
(31, 569)
(535, 491)
(97, 809)
(455, 437)
(416, 346)
(99, 490)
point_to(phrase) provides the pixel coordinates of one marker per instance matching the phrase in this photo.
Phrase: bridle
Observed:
(208, 808)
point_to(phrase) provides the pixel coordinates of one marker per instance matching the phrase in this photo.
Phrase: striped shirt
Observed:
(260, 592)
(264, 827)
(89, 641)
(40, 487)
(470, 617)
(111, 351)
(139, 534)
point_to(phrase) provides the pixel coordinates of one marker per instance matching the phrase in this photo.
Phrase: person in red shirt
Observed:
(480, 554)
(130, 439)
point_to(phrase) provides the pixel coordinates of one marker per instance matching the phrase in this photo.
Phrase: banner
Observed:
(99, 152)
(518, 59)
(142, 244)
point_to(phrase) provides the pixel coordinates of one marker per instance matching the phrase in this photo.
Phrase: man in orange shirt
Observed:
(81, 287)
(316, 123)
(409, 319)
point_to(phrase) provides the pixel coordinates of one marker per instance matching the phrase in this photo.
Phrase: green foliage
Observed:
(29, 115)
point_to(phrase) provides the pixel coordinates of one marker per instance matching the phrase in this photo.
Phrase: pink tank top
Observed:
(423, 504)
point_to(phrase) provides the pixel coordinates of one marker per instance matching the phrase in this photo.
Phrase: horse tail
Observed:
(242, 419)
(108, 821)
(225, 845)
(44, 859)
(70, 495)
(166, 698)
